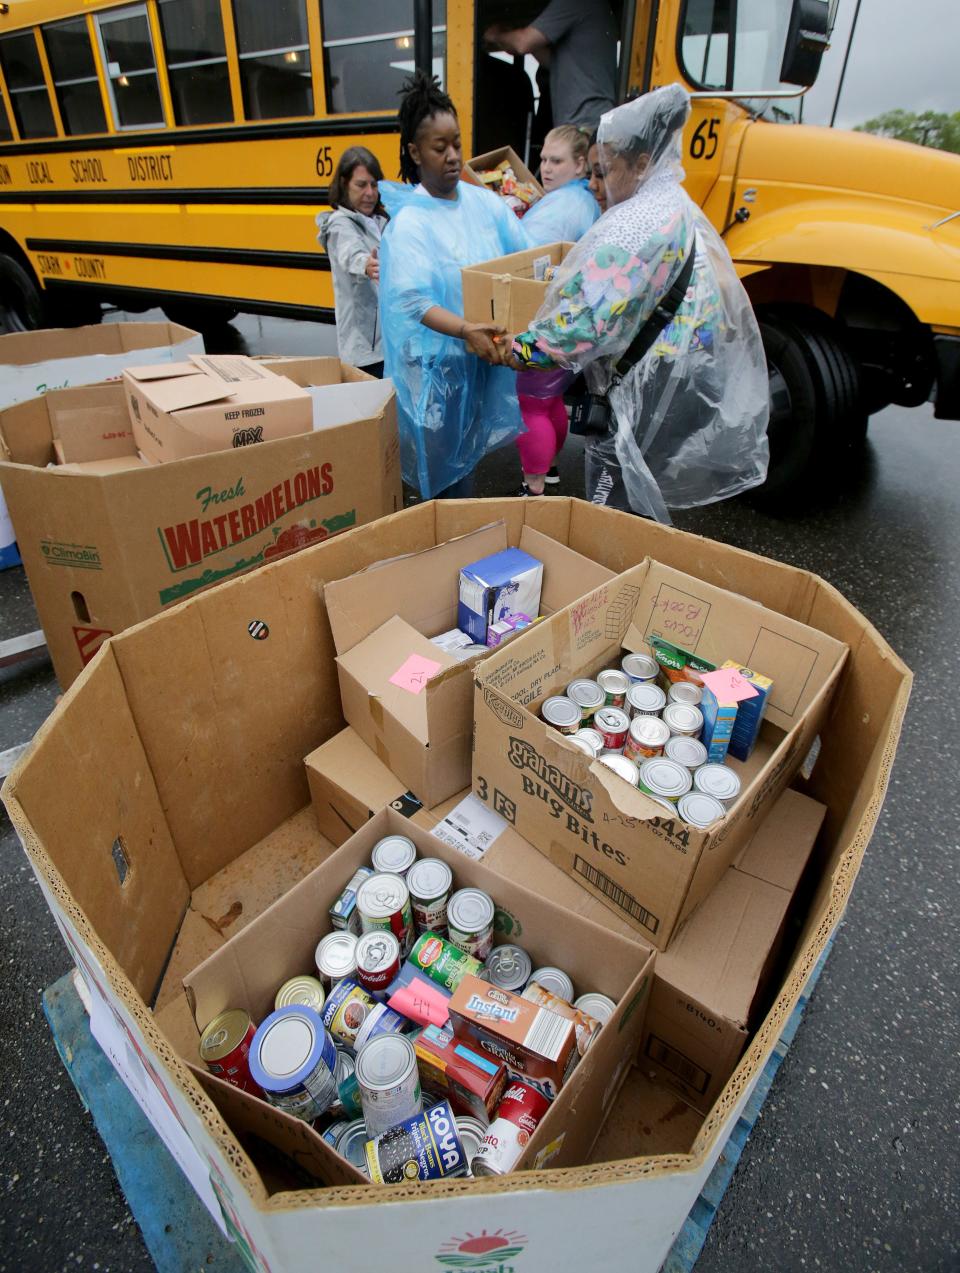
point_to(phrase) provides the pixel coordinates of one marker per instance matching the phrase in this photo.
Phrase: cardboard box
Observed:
(161, 757)
(509, 289)
(105, 549)
(349, 783)
(212, 403)
(652, 868)
(473, 167)
(709, 984)
(408, 699)
(280, 943)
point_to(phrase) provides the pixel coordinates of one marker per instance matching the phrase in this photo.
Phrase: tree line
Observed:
(926, 128)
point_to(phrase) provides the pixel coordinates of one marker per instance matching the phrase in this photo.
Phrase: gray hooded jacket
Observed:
(348, 239)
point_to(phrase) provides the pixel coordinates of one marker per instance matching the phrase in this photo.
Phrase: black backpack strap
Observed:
(658, 320)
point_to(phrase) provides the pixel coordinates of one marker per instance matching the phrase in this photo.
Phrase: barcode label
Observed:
(685, 1070)
(619, 896)
(547, 1034)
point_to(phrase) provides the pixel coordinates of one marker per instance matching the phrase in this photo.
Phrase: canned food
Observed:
(306, 990)
(508, 967)
(593, 737)
(585, 1026)
(378, 961)
(646, 738)
(425, 1147)
(518, 1116)
(331, 1134)
(347, 1007)
(389, 1082)
(348, 1089)
(689, 752)
(614, 685)
(443, 962)
(596, 1005)
(622, 765)
(683, 719)
(380, 1020)
(336, 957)
(343, 913)
(645, 699)
(664, 778)
(699, 809)
(472, 1132)
(612, 725)
(470, 921)
(554, 980)
(718, 781)
(562, 713)
(640, 667)
(393, 855)
(293, 1059)
(352, 1143)
(225, 1048)
(429, 882)
(685, 692)
(383, 901)
(587, 695)
(581, 744)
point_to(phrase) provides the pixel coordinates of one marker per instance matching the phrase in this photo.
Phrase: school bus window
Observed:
(26, 85)
(274, 53)
(368, 50)
(75, 77)
(196, 59)
(705, 41)
(131, 67)
(6, 132)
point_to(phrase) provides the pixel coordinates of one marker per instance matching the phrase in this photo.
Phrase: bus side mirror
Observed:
(807, 41)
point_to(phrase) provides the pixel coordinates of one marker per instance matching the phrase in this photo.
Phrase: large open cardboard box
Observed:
(509, 289)
(103, 550)
(176, 761)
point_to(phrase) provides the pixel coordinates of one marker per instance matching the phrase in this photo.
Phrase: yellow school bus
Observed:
(175, 152)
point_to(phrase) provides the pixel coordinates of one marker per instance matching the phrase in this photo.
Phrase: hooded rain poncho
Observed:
(563, 215)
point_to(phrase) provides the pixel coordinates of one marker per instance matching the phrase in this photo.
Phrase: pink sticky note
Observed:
(728, 685)
(422, 1002)
(413, 674)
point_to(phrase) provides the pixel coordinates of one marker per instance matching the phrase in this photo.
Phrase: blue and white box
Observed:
(497, 587)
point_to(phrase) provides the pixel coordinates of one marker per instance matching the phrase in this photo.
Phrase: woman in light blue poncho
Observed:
(455, 402)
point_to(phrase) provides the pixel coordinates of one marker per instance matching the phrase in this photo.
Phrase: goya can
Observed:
(380, 1020)
(519, 1114)
(689, 752)
(352, 1144)
(443, 962)
(614, 684)
(600, 1007)
(562, 713)
(383, 901)
(593, 737)
(429, 881)
(685, 692)
(306, 990)
(648, 735)
(718, 781)
(293, 1059)
(472, 1132)
(645, 699)
(664, 778)
(336, 957)
(640, 667)
(508, 967)
(347, 1008)
(378, 961)
(554, 980)
(470, 914)
(393, 855)
(622, 766)
(587, 695)
(612, 724)
(700, 810)
(389, 1082)
(426, 1147)
(684, 719)
(225, 1048)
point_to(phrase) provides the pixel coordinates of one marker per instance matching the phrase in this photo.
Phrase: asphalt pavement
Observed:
(853, 1163)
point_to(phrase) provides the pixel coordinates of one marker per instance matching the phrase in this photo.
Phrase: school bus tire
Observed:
(21, 307)
(792, 429)
(200, 316)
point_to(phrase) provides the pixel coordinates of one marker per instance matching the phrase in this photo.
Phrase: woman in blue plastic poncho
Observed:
(455, 402)
(689, 419)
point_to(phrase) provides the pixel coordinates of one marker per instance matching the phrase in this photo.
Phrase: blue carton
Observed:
(498, 587)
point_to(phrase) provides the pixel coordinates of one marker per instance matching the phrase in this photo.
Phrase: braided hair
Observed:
(422, 99)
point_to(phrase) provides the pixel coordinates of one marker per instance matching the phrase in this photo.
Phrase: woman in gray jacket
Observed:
(350, 236)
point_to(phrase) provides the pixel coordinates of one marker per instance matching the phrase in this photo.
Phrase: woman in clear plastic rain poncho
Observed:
(690, 418)
(455, 401)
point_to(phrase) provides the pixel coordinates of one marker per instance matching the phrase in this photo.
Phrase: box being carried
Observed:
(505, 173)
(510, 289)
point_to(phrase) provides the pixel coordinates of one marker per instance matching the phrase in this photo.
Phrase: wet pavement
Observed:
(853, 1163)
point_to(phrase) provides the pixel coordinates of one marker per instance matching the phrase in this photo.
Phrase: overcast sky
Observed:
(905, 53)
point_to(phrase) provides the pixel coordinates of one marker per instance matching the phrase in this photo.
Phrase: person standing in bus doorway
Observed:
(577, 40)
(564, 214)
(350, 236)
(455, 400)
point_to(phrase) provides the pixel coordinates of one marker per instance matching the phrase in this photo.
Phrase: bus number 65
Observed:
(699, 142)
(324, 162)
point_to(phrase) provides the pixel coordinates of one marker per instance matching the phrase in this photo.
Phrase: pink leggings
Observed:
(546, 421)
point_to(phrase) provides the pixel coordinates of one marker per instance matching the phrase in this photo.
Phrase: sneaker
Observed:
(553, 477)
(525, 490)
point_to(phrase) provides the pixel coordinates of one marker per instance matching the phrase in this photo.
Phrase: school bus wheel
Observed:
(20, 306)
